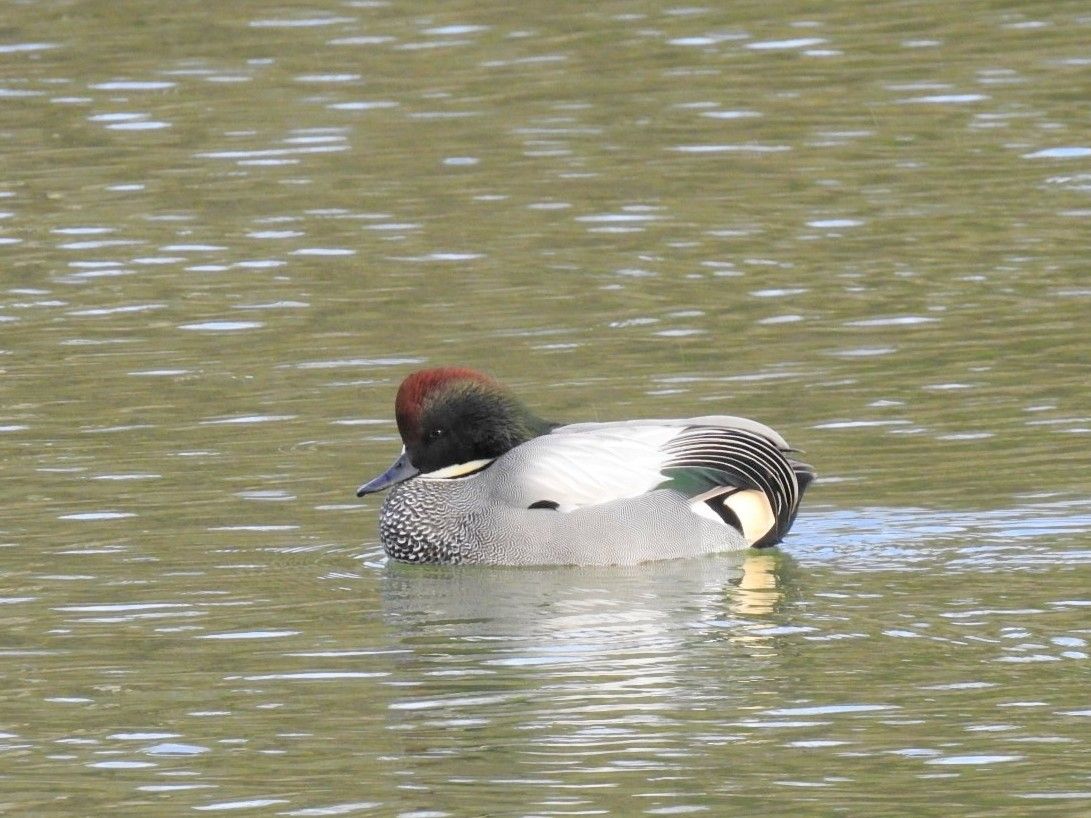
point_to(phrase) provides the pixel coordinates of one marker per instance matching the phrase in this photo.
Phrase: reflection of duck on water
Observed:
(757, 591)
(722, 591)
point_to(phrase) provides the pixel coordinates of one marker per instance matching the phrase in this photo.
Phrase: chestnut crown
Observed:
(452, 415)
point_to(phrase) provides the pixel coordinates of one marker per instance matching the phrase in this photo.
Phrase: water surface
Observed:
(228, 234)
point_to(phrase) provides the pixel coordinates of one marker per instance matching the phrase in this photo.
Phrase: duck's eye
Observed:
(434, 434)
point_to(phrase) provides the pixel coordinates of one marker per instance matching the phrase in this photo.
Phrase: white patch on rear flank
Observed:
(754, 512)
(750, 506)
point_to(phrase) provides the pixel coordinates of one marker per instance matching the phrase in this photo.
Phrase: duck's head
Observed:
(450, 416)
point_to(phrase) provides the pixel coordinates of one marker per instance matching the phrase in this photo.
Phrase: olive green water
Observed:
(226, 233)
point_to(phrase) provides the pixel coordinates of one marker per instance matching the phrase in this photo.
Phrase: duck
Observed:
(482, 479)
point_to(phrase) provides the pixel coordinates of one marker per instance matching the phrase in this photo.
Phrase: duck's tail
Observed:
(745, 478)
(805, 475)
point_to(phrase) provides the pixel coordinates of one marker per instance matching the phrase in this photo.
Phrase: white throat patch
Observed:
(457, 470)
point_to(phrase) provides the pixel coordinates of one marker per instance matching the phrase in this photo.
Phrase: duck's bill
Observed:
(399, 472)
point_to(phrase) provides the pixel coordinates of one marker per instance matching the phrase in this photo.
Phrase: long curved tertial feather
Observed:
(703, 458)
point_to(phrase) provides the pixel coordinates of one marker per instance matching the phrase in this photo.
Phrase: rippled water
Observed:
(226, 235)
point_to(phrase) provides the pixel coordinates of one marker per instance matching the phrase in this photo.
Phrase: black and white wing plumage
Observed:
(745, 478)
(733, 471)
